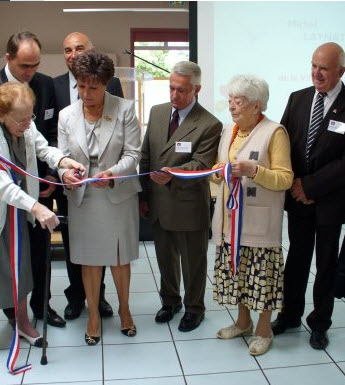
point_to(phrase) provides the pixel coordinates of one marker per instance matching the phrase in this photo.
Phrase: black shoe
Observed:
(280, 325)
(190, 321)
(104, 308)
(166, 313)
(53, 318)
(73, 310)
(318, 340)
(90, 340)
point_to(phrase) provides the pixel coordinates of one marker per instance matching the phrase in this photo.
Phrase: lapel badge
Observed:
(335, 111)
(107, 118)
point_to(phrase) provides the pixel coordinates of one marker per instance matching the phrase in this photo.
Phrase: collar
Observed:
(184, 111)
(334, 92)
(72, 79)
(9, 75)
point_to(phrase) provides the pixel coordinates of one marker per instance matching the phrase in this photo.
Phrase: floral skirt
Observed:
(258, 283)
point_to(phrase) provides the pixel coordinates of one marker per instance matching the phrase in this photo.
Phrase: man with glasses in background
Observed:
(23, 55)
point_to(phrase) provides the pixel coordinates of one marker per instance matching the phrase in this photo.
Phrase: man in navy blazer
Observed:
(315, 204)
(23, 55)
(65, 94)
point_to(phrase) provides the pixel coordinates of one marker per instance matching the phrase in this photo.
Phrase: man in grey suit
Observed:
(180, 135)
(66, 93)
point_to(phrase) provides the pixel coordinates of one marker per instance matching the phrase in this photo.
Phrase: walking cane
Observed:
(44, 359)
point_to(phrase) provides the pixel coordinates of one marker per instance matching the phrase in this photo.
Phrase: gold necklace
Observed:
(243, 136)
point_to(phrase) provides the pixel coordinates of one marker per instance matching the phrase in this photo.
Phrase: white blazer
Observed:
(119, 145)
(10, 193)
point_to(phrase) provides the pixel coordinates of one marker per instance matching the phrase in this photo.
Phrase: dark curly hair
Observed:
(93, 65)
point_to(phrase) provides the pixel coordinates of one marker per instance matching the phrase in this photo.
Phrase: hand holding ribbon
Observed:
(104, 182)
(162, 176)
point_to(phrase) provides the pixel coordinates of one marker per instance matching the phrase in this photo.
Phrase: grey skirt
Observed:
(101, 232)
(25, 277)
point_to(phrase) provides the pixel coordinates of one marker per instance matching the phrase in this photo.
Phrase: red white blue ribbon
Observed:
(15, 259)
(235, 204)
(183, 174)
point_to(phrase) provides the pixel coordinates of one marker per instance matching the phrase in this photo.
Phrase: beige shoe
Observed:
(233, 331)
(260, 345)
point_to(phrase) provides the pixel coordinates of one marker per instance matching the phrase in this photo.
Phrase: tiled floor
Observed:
(161, 355)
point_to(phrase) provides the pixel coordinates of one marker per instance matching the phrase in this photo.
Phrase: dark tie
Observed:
(315, 123)
(173, 124)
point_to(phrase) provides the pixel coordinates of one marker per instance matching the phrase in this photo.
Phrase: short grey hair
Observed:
(251, 87)
(188, 68)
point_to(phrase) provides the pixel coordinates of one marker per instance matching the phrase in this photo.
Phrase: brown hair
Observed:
(12, 91)
(15, 40)
(94, 65)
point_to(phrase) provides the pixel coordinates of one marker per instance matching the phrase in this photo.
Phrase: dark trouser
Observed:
(75, 293)
(190, 249)
(304, 234)
(39, 246)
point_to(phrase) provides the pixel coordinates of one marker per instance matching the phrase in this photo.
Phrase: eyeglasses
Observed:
(23, 122)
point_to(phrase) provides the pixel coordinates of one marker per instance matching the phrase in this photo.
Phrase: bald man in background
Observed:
(66, 93)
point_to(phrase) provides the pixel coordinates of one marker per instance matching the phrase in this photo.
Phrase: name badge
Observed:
(337, 127)
(183, 147)
(48, 114)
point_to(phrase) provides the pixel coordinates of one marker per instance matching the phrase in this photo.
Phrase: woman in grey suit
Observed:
(101, 131)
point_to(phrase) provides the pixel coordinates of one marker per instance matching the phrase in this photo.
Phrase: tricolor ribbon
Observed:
(15, 260)
(235, 204)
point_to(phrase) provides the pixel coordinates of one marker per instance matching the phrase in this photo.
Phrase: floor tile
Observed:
(140, 303)
(147, 331)
(5, 377)
(292, 349)
(342, 366)
(214, 320)
(58, 285)
(140, 361)
(148, 381)
(71, 335)
(154, 265)
(140, 282)
(306, 375)
(150, 249)
(214, 355)
(59, 269)
(239, 378)
(141, 265)
(66, 364)
(338, 317)
(336, 347)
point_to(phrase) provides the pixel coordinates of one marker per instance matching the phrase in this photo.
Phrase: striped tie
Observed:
(315, 123)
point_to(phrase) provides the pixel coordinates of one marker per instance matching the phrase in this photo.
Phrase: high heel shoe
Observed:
(129, 332)
(91, 340)
(34, 341)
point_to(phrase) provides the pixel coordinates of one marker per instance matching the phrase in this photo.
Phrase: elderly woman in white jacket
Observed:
(21, 142)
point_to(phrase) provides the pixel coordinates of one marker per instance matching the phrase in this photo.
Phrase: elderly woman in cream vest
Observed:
(101, 131)
(259, 152)
(22, 143)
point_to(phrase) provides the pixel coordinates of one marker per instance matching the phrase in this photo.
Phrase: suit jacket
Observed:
(180, 205)
(44, 109)
(62, 94)
(36, 146)
(119, 144)
(324, 179)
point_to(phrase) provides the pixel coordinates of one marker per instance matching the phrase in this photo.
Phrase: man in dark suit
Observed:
(314, 118)
(66, 93)
(23, 58)
(183, 135)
